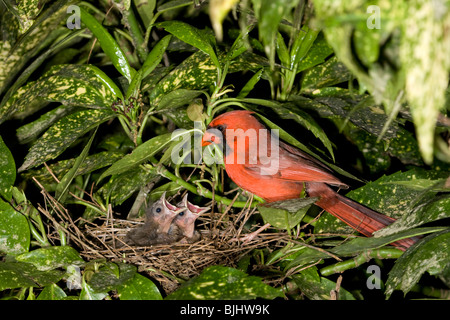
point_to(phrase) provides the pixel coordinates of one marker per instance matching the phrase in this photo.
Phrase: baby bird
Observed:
(158, 221)
(184, 222)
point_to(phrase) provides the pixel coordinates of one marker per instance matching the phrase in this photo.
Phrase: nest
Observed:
(169, 264)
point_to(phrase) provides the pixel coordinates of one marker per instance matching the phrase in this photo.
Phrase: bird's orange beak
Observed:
(209, 138)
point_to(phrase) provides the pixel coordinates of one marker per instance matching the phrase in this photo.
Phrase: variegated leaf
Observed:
(78, 85)
(7, 171)
(199, 72)
(63, 133)
(16, 51)
(27, 10)
(426, 63)
(32, 130)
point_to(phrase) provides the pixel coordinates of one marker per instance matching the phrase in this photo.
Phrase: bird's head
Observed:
(233, 120)
(186, 218)
(163, 212)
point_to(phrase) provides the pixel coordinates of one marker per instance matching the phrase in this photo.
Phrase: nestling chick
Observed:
(158, 221)
(184, 222)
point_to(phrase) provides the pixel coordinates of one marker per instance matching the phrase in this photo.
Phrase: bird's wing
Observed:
(294, 165)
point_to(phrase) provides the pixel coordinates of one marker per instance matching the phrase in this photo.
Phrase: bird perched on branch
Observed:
(158, 221)
(292, 170)
(184, 222)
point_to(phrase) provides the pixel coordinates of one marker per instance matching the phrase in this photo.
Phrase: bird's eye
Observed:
(220, 128)
(181, 213)
(158, 210)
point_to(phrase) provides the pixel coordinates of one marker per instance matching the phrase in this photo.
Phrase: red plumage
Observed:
(293, 169)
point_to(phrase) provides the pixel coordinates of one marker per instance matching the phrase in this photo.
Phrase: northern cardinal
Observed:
(293, 170)
(184, 222)
(158, 221)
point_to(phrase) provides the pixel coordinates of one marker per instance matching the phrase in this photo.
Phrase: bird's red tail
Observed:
(357, 216)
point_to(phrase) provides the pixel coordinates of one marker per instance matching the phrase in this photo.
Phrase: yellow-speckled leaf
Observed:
(27, 10)
(16, 48)
(49, 258)
(139, 288)
(426, 63)
(79, 85)
(199, 72)
(224, 283)
(431, 254)
(63, 133)
(14, 231)
(7, 171)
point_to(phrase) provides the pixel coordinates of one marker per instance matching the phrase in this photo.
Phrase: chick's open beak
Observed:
(174, 209)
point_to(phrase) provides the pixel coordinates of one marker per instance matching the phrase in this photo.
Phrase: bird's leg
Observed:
(250, 236)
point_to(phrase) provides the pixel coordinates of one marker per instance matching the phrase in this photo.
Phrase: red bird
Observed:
(276, 172)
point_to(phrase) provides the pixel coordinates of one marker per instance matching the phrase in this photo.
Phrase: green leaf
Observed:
(60, 168)
(20, 274)
(354, 246)
(384, 196)
(14, 230)
(269, 15)
(122, 186)
(198, 72)
(192, 36)
(63, 133)
(250, 84)
(5, 112)
(139, 155)
(19, 49)
(7, 171)
(87, 293)
(139, 288)
(224, 283)
(427, 73)
(327, 74)
(302, 45)
(63, 185)
(430, 254)
(109, 45)
(173, 4)
(358, 245)
(375, 156)
(315, 55)
(145, 9)
(436, 209)
(111, 275)
(152, 60)
(32, 130)
(177, 98)
(155, 56)
(318, 288)
(52, 292)
(285, 214)
(306, 121)
(282, 51)
(54, 257)
(169, 188)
